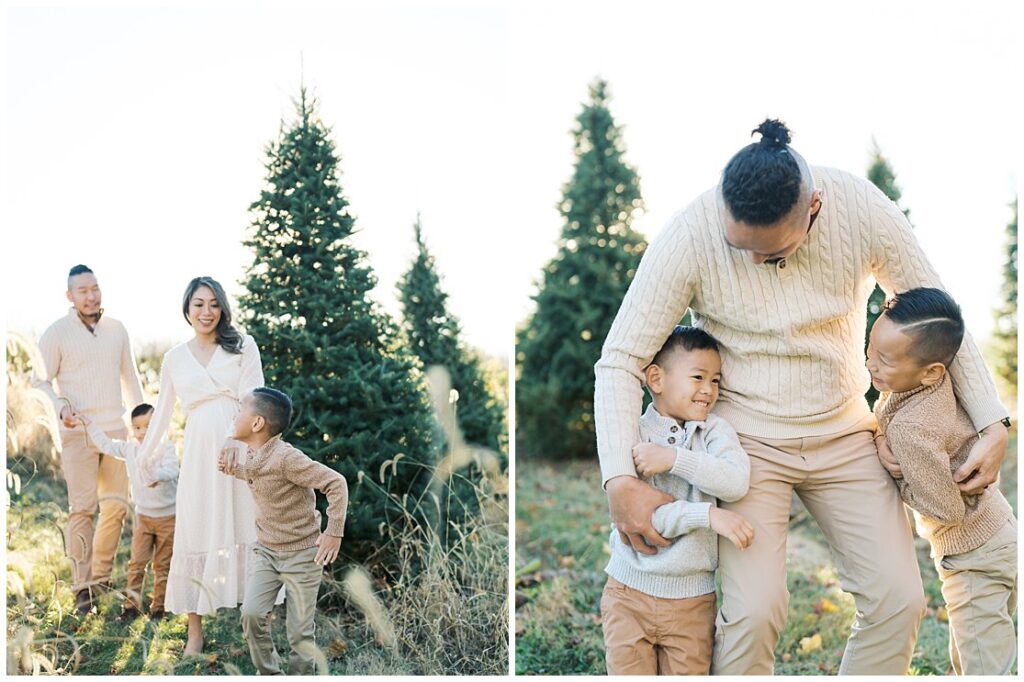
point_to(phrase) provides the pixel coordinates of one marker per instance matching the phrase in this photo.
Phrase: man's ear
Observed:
(933, 373)
(71, 299)
(653, 376)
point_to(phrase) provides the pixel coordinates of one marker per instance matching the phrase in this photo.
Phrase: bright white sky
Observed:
(133, 137)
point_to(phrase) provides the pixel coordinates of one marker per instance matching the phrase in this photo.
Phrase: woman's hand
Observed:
(650, 458)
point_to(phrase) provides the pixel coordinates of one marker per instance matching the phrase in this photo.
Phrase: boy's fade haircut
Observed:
(141, 409)
(79, 270)
(685, 338)
(932, 319)
(274, 406)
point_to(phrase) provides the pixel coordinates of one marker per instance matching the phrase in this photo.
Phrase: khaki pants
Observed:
(980, 589)
(95, 481)
(857, 506)
(301, 578)
(645, 635)
(152, 538)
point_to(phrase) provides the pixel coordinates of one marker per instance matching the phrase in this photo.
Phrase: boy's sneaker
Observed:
(157, 614)
(129, 613)
(83, 602)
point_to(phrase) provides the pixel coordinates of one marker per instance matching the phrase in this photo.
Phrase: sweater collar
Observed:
(894, 402)
(75, 315)
(659, 425)
(263, 451)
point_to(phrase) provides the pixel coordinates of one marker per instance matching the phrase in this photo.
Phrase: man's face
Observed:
(771, 243)
(890, 362)
(84, 294)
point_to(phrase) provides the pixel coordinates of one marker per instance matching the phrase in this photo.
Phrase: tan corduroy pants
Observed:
(301, 578)
(95, 481)
(645, 635)
(857, 506)
(152, 539)
(980, 589)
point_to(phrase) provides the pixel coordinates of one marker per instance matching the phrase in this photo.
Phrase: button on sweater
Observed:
(931, 435)
(282, 479)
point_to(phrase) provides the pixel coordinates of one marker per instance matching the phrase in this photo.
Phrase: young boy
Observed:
(291, 549)
(973, 537)
(153, 531)
(658, 611)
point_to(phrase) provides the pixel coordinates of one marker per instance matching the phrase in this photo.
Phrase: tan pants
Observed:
(95, 481)
(645, 635)
(152, 539)
(980, 589)
(858, 508)
(301, 578)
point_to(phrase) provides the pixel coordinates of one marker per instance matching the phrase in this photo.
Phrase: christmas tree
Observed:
(360, 403)
(881, 174)
(581, 290)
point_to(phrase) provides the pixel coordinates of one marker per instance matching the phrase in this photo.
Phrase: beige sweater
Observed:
(792, 333)
(282, 479)
(93, 369)
(931, 436)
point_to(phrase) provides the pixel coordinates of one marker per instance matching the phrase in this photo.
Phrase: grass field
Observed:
(562, 532)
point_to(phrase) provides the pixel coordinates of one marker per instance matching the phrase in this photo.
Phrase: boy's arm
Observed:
(927, 483)
(167, 468)
(304, 472)
(681, 517)
(723, 471)
(105, 444)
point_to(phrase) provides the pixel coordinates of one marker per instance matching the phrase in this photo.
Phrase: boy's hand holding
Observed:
(732, 526)
(329, 546)
(650, 458)
(228, 461)
(886, 457)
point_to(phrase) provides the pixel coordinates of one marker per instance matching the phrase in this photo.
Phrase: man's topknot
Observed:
(762, 183)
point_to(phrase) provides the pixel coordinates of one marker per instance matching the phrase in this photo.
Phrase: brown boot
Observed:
(83, 602)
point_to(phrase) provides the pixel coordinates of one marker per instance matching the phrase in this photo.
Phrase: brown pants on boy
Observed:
(645, 635)
(152, 539)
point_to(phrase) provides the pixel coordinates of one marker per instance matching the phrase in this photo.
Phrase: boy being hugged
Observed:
(658, 610)
(973, 537)
(291, 550)
(153, 529)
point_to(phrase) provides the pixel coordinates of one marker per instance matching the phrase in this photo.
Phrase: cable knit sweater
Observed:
(709, 463)
(281, 478)
(931, 435)
(792, 333)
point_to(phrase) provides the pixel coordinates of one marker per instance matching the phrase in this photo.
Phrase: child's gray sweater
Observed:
(710, 463)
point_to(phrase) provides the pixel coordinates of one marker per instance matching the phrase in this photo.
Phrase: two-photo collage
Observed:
(498, 339)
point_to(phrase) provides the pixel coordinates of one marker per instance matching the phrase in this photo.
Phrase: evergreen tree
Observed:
(1004, 339)
(433, 334)
(581, 290)
(881, 174)
(360, 403)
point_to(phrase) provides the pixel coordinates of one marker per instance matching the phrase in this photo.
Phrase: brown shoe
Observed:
(128, 614)
(83, 602)
(157, 614)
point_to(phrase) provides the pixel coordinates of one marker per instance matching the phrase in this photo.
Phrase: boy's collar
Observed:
(266, 447)
(897, 400)
(663, 425)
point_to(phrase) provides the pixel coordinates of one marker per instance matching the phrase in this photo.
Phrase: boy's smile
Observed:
(685, 388)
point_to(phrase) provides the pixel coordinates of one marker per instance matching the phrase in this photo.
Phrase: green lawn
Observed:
(562, 532)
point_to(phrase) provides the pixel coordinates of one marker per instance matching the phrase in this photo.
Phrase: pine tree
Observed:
(360, 403)
(581, 290)
(1004, 339)
(434, 336)
(881, 174)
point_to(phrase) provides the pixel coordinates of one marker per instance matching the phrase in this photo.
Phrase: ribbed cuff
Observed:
(698, 515)
(335, 527)
(685, 466)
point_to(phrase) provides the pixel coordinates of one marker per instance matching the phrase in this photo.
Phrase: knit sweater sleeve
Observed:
(42, 377)
(723, 471)
(899, 264)
(159, 424)
(252, 368)
(304, 472)
(106, 444)
(927, 483)
(656, 300)
(681, 517)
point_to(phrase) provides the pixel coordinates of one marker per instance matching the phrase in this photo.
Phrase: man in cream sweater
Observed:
(777, 263)
(90, 357)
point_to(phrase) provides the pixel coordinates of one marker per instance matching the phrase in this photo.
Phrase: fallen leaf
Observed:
(809, 644)
(942, 614)
(567, 561)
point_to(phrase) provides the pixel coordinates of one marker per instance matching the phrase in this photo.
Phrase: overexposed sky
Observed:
(134, 137)
(936, 84)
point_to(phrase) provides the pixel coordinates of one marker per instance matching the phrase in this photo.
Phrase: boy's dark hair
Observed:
(274, 406)
(141, 409)
(79, 270)
(932, 319)
(685, 338)
(761, 183)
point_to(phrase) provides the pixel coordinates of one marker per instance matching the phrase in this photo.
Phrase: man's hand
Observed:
(68, 417)
(650, 458)
(228, 460)
(329, 547)
(731, 526)
(632, 503)
(982, 466)
(886, 457)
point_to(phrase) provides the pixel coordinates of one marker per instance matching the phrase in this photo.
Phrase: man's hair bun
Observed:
(774, 133)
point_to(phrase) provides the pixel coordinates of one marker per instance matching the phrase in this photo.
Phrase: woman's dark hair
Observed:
(932, 319)
(228, 338)
(761, 183)
(687, 338)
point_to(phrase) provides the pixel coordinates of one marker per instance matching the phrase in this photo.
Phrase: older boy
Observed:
(291, 549)
(973, 537)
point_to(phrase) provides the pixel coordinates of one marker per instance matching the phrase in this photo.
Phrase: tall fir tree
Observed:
(1004, 338)
(434, 336)
(360, 403)
(881, 174)
(581, 290)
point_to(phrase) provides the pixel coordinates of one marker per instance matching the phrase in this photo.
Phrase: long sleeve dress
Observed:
(215, 526)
